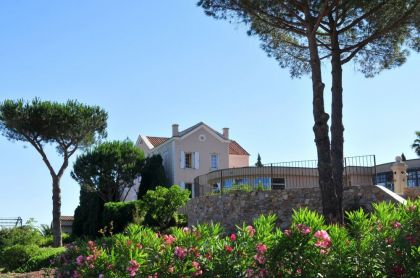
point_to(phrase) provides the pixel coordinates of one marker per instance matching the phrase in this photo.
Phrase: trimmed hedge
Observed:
(42, 259)
(117, 215)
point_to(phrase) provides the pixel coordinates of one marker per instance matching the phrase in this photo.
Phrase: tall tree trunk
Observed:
(322, 140)
(337, 128)
(56, 198)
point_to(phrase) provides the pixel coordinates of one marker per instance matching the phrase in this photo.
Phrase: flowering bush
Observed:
(384, 243)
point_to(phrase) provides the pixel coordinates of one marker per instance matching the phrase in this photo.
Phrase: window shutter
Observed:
(197, 160)
(182, 160)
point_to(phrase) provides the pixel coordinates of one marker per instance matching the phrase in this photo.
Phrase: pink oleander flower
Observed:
(133, 268)
(171, 269)
(91, 244)
(180, 252)
(261, 248)
(228, 248)
(396, 225)
(262, 273)
(232, 237)
(410, 238)
(287, 232)
(251, 231)
(299, 271)
(322, 234)
(389, 241)
(139, 246)
(412, 208)
(80, 260)
(303, 229)
(186, 230)
(91, 266)
(323, 244)
(323, 251)
(89, 258)
(379, 227)
(249, 273)
(153, 276)
(110, 266)
(168, 239)
(197, 268)
(259, 258)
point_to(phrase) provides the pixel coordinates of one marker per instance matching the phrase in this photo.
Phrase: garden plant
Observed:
(383, 243)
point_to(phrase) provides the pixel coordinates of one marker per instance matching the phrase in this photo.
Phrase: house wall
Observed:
(192, 143)
(142, 146)
(238, 161)
(166, 152)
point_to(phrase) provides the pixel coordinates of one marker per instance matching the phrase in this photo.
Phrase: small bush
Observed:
(25, 235)
(162, 205)
(121, 214)
(13, 257)
(42, 259)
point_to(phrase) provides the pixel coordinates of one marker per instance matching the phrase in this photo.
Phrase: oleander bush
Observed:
(384, 243)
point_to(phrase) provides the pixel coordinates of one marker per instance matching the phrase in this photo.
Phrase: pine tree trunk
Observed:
(337, 128)
(56, 212)
(322, 140)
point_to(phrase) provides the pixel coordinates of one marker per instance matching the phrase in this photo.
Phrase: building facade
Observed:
(193, 152)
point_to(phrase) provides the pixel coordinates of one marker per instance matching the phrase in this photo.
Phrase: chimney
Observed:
(226, 132)
(175, 131)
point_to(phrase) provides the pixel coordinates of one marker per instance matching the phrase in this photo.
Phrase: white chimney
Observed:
(226, 132)
(175, 131)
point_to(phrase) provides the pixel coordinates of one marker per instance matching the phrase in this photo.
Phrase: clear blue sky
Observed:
(154, 63)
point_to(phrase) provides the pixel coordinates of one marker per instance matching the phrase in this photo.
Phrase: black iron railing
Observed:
(358, 170)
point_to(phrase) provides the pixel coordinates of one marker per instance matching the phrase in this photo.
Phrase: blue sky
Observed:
(154, 63)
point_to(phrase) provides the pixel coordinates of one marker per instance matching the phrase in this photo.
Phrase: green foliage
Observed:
(259, 163)
(382, 244)
(20, 235)
(416, 144)
(13, 257)
(38, 122)
(162, 205)
(119, 215)
(41, 259)
(152, 175)
(109, 168)
(88, 215)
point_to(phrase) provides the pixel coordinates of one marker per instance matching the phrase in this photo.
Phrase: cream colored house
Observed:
(193, 152)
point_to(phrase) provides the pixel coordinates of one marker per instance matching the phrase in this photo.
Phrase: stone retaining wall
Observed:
(238, 207)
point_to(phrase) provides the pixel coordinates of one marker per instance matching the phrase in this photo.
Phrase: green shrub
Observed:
(25, 235)
(120, 214)
(41, 259)
(162, 205)
(382, 244)
(88, 215)
(13, 257)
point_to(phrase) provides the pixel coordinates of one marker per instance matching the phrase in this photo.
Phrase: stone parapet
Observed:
(239, 207)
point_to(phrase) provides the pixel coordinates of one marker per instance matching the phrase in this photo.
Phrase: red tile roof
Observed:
(156, 141)
(66, 218)
(236, 149)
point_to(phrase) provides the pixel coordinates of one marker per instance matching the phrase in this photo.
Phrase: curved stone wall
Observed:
(238, 207)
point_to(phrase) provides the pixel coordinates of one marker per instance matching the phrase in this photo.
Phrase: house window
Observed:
(278, 183)
(214, 161)
(188, 160)
(188, 186)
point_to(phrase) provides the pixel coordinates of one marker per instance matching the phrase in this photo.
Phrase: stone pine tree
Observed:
(259, 164)
(300, 35)
(109, 169)
(67, 126)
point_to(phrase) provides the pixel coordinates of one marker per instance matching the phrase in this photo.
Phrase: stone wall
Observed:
(238, 207)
